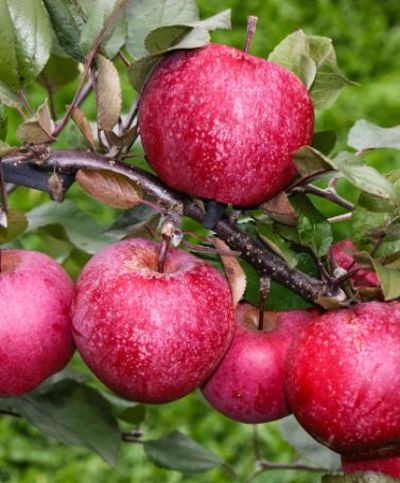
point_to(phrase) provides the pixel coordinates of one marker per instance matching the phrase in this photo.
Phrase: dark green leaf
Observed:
(140, 70)
(314, 231)
(81, 229)
(133, 415)
(25, 30)
(66, 26)
(16, 224)
(178, 452)
(366, 135)
(309, 450)
(324, 141)
(73, 414)
(58, 72)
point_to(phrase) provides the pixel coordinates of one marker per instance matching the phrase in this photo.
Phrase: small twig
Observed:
(328, 194)
(25, 101)
(162, 257)
(340, 218)
(131, 116)
(265, 285)
(50, 93)
(88, 64)
(251, 30)
(124, 59)
(269, 466)
(215, 251)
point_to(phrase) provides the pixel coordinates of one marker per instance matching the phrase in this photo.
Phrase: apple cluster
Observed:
(154, 337)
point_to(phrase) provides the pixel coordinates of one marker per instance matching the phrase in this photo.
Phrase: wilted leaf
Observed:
(16, 224)
(313, 59)
(309, 450)
(280, 209)
(178, 452)
(127, 138)
(233, 271)
(111, 189)
(366, 135)
(37, 130)
(66, 26)
(277, 244)
(84, 127)
(56, 187)
(108, 94)
(314, 230)
(74, 414)
(81, 230)
(25, 36)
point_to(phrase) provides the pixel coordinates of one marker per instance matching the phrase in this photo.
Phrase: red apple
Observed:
(343, 379)
(149, 336)
(35, 327)
(341, 255)
(248, 384)
(389, 465)
(221, 124)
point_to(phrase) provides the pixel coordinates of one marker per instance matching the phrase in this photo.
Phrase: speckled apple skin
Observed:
(247, 385)
(35, 326)
(389, 465)
(148, 336)
(343, 379)
(341, 254)
(219, 123)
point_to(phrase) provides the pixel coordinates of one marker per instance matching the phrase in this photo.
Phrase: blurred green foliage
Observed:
(366, 35)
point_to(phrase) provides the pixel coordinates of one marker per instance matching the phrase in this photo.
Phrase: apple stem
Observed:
(251, 30)
(265, 285)
(162, 257)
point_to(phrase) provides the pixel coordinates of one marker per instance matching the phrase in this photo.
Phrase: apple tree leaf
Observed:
(38, 129)
(108, 94)
(324, 141)
(312, 58)
(280, 209)
(74, 414)
(25, 30)
(111, 189)
(366, 135)
(58, 72)
(390, 280)
(16, 223)
(277, 244)
(3, 122)
(178, 452)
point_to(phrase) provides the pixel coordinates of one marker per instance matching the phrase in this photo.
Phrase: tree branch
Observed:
(32, 171)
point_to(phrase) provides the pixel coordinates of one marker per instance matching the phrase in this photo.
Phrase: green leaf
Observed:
(38, 129)
(147, 15)
(140, 70)
(97, 13)
(66, 25)
(58, 72)
(390, 280)
(313, 59)
(16, 224)
(25, 30)
(309, 160)
(309, 450)
(81, 229)
(9, 98)
(366, 225)
(314, 231)
(366, 135)
(133, 415)
(3, 122)
(324, 141)
(178, 452)
(74, 414)
(362, 176)
(277, 244)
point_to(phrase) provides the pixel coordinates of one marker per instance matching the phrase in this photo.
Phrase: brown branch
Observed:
(328, 194)
(175, 204)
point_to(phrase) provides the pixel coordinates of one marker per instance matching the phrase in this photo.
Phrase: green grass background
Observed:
(366, 34)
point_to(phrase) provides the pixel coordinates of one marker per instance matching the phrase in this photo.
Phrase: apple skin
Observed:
(151, 337)
(343, 379)
(389, 465)
(341, 255)
(221, 124)
(35, 326)
(247, 385)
